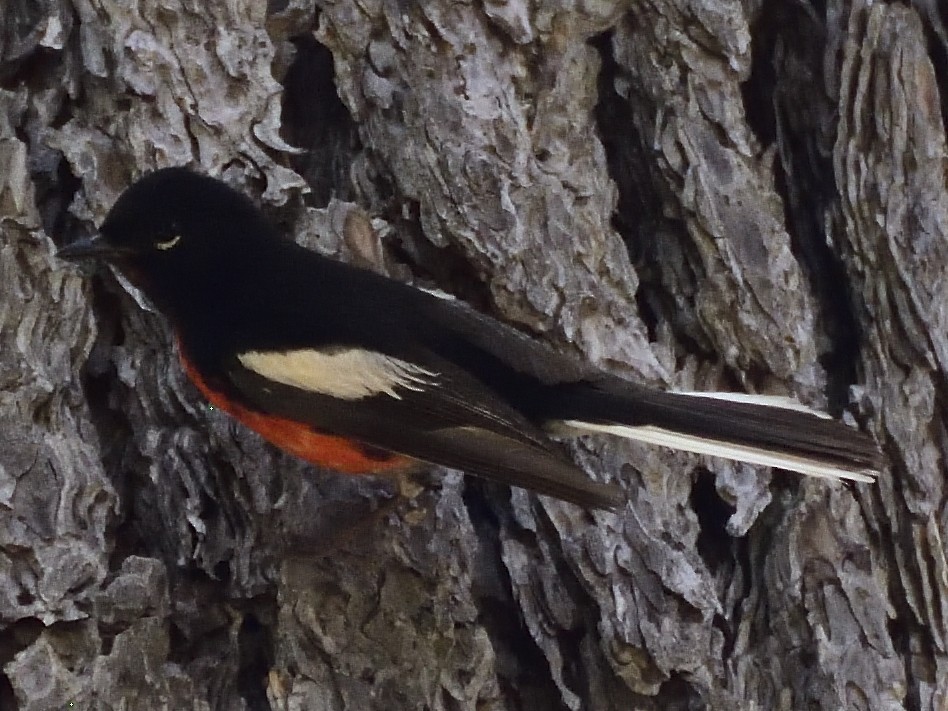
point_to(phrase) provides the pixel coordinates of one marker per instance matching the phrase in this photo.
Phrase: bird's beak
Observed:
(90, 248)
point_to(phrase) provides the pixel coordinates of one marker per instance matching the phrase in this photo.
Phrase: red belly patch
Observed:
(301, 440)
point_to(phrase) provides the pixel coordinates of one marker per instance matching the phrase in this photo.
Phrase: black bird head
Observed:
(172, 232)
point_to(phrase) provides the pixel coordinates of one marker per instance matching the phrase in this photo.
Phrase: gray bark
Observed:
(706, 195)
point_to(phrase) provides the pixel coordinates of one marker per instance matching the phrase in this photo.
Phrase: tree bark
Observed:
(702, 195)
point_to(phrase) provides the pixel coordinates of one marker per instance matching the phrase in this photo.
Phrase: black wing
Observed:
(449, 419)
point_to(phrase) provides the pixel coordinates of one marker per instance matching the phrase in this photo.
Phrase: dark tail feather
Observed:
(513, 463)
(765, 430)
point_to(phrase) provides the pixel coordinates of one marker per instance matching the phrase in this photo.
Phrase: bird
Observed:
(354, 371)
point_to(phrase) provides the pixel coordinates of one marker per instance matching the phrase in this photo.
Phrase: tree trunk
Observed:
(705, 195)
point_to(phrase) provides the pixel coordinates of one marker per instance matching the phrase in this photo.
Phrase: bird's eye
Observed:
(168, 243)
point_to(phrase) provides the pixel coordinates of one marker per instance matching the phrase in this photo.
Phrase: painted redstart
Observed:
(351, 370)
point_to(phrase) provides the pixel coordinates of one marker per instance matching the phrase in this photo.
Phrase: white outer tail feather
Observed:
(651, 434)
(727, 450)
(784, 402)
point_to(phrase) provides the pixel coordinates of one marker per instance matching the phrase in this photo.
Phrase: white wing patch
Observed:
(348, 374)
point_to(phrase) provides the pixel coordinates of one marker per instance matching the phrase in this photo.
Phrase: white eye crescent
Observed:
(168, 243)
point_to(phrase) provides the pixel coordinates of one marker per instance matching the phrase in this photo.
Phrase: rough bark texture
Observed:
(705, 194)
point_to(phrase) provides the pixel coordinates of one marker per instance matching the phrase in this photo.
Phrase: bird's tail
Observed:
(772, 431)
